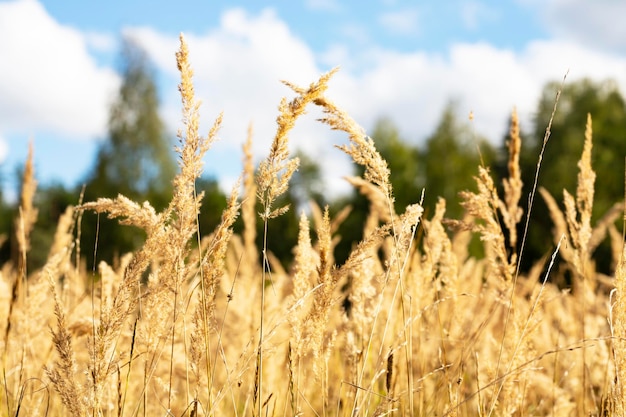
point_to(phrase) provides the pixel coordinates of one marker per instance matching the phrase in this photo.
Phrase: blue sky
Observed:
(400, 59)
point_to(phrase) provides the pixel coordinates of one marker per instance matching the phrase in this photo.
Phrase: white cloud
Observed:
(100, 41)
(401, 22)
(413, 88)
(598, 24)
(238, 69)
(4, 149)
(48, 80)
(238, 66)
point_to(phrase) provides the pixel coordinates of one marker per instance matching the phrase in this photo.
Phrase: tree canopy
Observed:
(604, 102)
(450, 161)
(136, 158)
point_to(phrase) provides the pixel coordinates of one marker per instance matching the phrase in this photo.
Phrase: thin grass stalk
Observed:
(618, 321)
(27, 216)
(531, 196)
(92, 294)
(363, 152)
(399, 284)
(174, 320)
(185, 328)
(273, 180)
(531, 199)
(26, 219)
(93, 298)
(304, 266)
(7, 332)
(186, 196)
(221, 345)
(212, 267)
(63, 374)
(584, 203)
(409, 339)
(207, 346)
(259, 371)
(535, 303)
(78, 224)
(124, 394)
(248, 209)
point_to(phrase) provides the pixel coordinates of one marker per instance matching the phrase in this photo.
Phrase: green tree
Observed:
(407, 182)
(306, 185)
(213, 204)
(351, 230)
(51, 201)
(7, 211)
(559, 168)
(135, 160)
(450, 161)
(443, 168)
(403, 160)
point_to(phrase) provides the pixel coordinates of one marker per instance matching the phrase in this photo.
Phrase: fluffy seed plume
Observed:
(276, 170)
(361, 149)
(509, 208)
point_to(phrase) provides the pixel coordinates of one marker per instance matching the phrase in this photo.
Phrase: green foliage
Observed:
(282, 232)
(51, 201)
(7, 232)
(306, 185)
(351, 230)
(559, 168)
(403, 159)
(445, 166)
(307, 182)
(135, 160)
(213, 204)
(608, 111)
(450, 162)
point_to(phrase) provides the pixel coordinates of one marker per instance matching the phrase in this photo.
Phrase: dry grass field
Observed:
(409, 325)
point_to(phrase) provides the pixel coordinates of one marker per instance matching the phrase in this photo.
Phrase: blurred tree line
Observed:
(136, 159)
